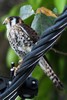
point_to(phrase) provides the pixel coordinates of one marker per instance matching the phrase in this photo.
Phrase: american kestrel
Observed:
(22, 38)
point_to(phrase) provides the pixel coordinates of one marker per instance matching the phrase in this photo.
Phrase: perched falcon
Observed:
(22, 38)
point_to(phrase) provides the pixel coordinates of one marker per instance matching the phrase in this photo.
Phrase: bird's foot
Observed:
(16, 68)
(20, 61)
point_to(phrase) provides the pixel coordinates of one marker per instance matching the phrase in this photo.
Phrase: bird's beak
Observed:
(5, 21)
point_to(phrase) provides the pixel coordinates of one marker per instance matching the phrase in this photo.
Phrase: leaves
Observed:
(26, 11)
(11, 57)
(45, 11)
(35, 3)
(41, 22)
(37, 73)
(43, 19)
(44, 89)
(60, 4)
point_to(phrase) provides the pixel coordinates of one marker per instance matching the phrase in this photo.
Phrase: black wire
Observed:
(16, 85)
(42, 42)
(13, 96)
(61, 17)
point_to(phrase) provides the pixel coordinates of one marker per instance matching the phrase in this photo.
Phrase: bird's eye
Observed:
(17, 21)
(11, 18)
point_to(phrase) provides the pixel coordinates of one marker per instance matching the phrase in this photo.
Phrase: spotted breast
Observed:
(20, 40)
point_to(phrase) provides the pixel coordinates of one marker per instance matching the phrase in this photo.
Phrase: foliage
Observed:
(39, 22)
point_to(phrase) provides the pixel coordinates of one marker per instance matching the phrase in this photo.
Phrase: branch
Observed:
(59, 52)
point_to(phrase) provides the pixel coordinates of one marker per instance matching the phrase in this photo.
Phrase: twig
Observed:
(59, 52)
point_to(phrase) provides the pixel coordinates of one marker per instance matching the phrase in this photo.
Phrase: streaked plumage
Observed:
(22, 38)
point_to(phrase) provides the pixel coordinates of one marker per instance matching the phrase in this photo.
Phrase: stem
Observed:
(59, 52)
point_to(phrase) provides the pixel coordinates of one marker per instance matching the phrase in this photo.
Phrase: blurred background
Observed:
(47, 91)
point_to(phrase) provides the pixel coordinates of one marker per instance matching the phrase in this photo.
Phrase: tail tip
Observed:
(60, 86)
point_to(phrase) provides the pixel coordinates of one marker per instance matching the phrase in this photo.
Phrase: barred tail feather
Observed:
(50, 73)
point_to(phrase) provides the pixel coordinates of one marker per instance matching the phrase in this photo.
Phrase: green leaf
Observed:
(40, 3)
(37, 73)
(26, 11)
(61, 64)
(55, 11)
(28, 21)
(11, 57)
(60, 4)
(35, 3)
(15, 10)
(41, 22)
(44, 88)
(18, 98)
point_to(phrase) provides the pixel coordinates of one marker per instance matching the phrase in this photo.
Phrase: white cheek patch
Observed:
(8, 29)
(13, 22)
(8, 26)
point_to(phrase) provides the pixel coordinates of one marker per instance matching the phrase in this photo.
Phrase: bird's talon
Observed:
(20, 61)
(16, 69)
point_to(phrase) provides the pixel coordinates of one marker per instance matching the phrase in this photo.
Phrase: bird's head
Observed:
(11, 21)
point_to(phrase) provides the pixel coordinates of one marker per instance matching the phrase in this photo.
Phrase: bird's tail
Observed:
(50, 73)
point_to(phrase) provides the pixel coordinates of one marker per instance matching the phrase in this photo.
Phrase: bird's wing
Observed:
(32, 34)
